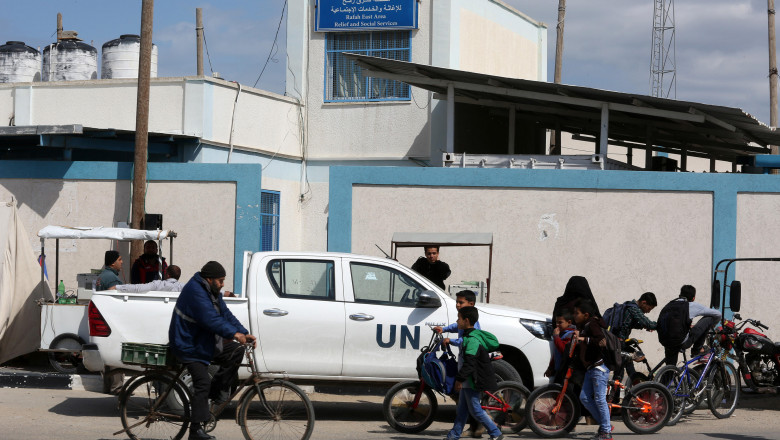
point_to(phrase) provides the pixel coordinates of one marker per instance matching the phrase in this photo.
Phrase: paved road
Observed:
(29, 413)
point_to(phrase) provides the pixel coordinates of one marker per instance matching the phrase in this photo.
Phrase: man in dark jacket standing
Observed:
(202, 331)
(431, 267)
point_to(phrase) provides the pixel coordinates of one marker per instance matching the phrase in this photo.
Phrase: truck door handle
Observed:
(361, 317)
(275, 312)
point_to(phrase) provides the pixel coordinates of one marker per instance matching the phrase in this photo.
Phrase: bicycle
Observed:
(156, 405)
(553, 410)
(718, 382)
(410, 406)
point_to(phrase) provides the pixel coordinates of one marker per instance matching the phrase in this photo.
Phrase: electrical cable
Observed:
(274, 47)
(205, 43)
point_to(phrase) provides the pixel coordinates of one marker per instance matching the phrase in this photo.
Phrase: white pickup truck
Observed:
(325, 318)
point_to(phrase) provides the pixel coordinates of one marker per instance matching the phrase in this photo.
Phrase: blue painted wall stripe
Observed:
(723, 187)
(246, 176)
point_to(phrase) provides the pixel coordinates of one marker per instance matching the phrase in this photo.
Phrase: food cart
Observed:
(65, 326)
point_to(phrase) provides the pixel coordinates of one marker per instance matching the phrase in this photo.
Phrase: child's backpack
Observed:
(438, 372)
(674, 323)
(615, 315)
(613, 355)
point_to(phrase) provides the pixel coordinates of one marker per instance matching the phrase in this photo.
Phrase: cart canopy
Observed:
(409, 239)
(121, 234)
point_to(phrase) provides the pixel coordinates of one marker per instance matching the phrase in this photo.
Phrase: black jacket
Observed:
(436, 272)
(477, 368)
(593, 332)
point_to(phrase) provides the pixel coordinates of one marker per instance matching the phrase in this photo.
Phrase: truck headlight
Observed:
(540, 329)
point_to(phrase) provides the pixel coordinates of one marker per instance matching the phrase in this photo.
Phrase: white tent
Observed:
(20, 278)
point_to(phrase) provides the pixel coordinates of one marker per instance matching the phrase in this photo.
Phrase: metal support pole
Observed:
(57, 266)
(450, 118)
(604, 133)
(555, 137)
(142, 124)
(772, 71)
(649, 149)
(512, 123)
(43, 272)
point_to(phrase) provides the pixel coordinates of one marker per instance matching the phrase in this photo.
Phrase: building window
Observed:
(269, 227)
(343, 78)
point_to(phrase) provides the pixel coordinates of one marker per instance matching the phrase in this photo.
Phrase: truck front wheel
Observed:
(506, 372)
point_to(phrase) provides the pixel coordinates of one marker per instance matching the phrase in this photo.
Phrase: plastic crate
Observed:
(66, 300)
(150, 355)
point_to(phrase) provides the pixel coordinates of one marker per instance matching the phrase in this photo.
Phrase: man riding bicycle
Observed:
(201, 332)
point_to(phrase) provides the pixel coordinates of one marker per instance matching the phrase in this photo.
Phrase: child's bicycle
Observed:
(553, 410)
(410, 406)
(156, 405)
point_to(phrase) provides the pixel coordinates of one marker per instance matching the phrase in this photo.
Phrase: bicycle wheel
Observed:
(506, 405)
(539, 411)
(669, 377)
(150, 408)
(647, 407)
(638, 378)
(401, 413)
(276, 409)
(696, 396)
(723, 393)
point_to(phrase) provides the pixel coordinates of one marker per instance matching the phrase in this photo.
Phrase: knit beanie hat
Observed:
(212, 269)
(111, 257)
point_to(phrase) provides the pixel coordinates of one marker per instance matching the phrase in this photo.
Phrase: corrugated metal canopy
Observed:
(637, 121)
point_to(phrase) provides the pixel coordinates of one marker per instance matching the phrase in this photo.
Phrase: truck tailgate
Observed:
(143, 317)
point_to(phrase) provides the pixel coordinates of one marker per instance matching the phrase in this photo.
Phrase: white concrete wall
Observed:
(201, 107)
(758, 236)
(385, 130)
(205, 223)
(624, 242)
(6, 105)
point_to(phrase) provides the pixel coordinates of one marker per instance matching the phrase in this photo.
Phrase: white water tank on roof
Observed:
(69, 60)
(19, 63)
(120, 58)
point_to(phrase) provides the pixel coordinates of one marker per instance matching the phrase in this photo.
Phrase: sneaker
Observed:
(602, 436)
(501, 437)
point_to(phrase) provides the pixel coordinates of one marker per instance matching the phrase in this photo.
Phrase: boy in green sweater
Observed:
(475, 375)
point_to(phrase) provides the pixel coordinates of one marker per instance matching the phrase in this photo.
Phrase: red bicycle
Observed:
(410, 407)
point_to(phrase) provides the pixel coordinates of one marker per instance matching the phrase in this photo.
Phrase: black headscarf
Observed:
(576, 288)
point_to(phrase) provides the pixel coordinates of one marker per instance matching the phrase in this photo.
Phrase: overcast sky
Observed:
(721, 45)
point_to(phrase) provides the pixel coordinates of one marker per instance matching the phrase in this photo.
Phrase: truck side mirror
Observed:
(735, 296)
(715, 297)
(428, 299)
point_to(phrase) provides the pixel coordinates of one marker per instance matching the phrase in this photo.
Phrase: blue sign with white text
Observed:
(361, 15)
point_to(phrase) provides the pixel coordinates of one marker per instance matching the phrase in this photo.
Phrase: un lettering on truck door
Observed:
(383, 312)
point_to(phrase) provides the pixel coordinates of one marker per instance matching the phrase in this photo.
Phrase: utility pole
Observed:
(772, 71)
(142, 125)
(199, 37)
(555, 135)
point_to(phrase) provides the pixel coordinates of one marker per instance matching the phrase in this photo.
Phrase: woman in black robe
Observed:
(576, 288)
